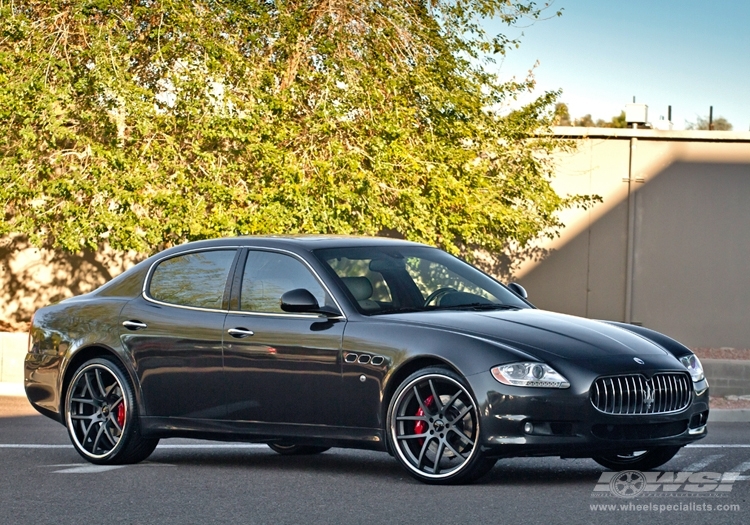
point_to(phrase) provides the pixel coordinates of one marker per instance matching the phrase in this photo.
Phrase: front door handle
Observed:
(239, 333)
(134, 325)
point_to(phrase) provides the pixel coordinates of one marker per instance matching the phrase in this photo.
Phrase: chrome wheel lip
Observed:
(626, 459)
(282, 447)
(393, 426)
(69, 415)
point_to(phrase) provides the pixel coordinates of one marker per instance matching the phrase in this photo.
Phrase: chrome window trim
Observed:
(149, 275)
(284, 314)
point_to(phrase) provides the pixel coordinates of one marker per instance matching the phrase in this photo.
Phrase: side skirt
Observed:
(255, 432)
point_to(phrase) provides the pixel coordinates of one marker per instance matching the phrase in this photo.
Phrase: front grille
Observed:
(635, 394)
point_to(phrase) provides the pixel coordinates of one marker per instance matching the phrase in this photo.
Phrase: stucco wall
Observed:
(669, 245)
(31, 277)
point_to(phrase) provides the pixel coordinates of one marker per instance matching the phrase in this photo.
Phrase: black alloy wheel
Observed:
(101, 415)
(296, 450)
(433, 428)
(638, 459)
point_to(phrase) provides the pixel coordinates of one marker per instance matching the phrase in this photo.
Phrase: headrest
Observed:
(361, 287)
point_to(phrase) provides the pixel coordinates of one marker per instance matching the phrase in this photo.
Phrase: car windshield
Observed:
(389, 279)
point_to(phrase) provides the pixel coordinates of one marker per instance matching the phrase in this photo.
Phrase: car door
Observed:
(280, 367)
(174, 330)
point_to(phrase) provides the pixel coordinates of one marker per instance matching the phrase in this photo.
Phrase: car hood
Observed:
(542, 334)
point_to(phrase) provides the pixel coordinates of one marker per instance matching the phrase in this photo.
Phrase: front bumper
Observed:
(563, 422)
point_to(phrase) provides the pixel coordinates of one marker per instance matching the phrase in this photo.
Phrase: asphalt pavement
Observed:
(43, 480)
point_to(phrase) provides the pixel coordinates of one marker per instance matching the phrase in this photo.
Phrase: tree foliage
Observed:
(153, 122)
(718, 124)
(562, 118)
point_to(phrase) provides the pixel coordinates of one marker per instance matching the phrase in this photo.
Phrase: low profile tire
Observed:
(102, 417)
(296, 450)
(433, 428)
(638, 460)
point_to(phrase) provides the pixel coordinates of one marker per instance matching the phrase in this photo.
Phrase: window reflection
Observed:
(194, 279)
(268, 275)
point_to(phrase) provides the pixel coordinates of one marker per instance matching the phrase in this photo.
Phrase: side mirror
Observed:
(299, 300)
(518, 290)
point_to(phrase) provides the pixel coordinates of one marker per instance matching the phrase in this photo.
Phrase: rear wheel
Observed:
(296, 450)
(101, 415)
(638, 459)
(433, 428)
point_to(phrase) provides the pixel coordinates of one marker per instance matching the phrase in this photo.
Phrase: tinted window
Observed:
(194, 279)
(268, 275)
(410, 278)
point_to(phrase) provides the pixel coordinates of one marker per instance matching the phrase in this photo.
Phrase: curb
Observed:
(729, 415)
(12, 389)
(727, 376)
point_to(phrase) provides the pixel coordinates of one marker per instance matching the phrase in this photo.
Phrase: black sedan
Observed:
(307, 343)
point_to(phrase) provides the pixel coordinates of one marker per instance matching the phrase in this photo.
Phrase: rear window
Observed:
(195, 279)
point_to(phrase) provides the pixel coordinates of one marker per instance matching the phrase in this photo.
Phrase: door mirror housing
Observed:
(301, 300)
(519, 290)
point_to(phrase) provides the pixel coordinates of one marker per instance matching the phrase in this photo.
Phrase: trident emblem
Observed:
(648, 396)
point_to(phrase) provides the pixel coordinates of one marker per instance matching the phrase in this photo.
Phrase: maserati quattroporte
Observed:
(307, 343)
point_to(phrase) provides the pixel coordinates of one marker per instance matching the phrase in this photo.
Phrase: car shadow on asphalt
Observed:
(515, 471)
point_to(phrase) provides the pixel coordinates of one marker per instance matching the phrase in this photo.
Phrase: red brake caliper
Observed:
(421, 426)
(121, 414)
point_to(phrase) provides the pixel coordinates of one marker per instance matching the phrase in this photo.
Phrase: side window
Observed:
(194, 279)
(357, 269)
(268, 275)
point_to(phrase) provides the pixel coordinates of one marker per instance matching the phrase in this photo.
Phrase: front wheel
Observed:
(638, 459)
(101, 415)
(433, 428)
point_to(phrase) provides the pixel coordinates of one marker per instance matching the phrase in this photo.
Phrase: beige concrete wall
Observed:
(32, 277)
(12, 353)
(687, 271)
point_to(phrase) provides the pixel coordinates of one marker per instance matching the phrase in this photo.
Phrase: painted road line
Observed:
(32, 445)
(700, 465)
(256, 445)
(211, 445)
(88, 469)
(165, 446)
(717, 446)
(742, 467)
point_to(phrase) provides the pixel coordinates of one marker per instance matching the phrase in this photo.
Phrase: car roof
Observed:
(305, 242)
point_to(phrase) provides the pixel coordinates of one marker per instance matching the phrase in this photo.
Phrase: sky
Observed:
(690, 54)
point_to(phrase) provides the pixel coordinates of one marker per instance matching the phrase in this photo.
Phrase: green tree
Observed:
(718, 124)
(618, 121)
(585, 121)
(149, 123)
(562, 115)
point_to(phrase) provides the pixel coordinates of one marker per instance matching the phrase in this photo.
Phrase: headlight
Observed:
(693, 365)
(529, 374)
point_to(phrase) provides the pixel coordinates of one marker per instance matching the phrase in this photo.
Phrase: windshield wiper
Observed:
(469, 306)
(477, 306)
(400, 310)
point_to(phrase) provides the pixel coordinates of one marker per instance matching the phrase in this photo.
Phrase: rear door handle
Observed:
(134, 325)
(239, 333)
